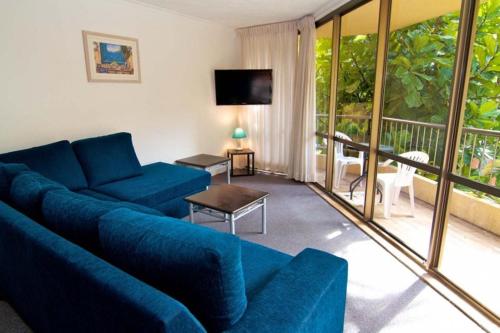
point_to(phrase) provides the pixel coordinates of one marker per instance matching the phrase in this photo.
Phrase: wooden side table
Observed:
(206, 162)
(250, 168)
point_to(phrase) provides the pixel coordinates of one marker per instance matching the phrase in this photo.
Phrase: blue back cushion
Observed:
(27, 191)
(198, 266)
(7, 173)
(56, 161)
(108, 158)
(76, 216)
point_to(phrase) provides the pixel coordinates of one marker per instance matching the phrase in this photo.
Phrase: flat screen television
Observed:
(244, 86)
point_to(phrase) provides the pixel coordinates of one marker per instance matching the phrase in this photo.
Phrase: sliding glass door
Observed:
(419, 67)
(408, 131)
(354, 103)
(473, 220)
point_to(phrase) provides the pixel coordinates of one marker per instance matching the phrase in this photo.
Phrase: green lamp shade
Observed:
(239, 133)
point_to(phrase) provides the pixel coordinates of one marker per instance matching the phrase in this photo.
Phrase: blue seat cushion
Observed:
(198, 266)
(27, 191)
(76, 216)
(7, 173)
(97, 195)
(107, 158)
(56, 161)
(260, 264)
(159, 183)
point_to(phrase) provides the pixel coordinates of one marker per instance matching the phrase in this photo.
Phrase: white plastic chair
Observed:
(341, 161)
(392, 183)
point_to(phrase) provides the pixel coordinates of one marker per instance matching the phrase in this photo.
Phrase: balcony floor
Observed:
(470, 253)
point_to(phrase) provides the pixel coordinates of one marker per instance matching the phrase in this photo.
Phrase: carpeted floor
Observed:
(383, 295)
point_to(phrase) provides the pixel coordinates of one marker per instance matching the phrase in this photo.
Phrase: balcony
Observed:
(473, 232)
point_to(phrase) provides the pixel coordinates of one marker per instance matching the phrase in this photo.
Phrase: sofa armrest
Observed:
(307, 295)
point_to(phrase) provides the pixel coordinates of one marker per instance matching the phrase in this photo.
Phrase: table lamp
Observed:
(239, 134)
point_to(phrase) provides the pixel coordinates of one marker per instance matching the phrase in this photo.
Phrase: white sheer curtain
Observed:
(282, 134)
(302, 166)
(272, 46)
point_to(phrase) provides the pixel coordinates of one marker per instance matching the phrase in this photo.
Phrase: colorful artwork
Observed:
(111, 58)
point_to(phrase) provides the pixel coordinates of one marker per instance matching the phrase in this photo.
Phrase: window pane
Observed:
(479, 151)
(355, 86)
(421, 55)
(471, 252)
(356, 79)
(323, 84)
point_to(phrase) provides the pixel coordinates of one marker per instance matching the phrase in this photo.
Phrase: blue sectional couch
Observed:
(85, 249)
(107, 168)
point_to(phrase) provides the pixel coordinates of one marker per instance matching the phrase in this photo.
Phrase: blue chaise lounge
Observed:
(75, 257)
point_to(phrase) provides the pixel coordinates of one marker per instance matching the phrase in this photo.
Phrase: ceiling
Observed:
(244, 13)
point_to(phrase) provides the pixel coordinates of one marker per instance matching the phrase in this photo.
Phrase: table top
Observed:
(227, 198)
(202, 160)
(240, 151)
(384, 148)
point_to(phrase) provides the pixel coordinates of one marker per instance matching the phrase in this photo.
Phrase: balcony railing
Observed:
(478, 156)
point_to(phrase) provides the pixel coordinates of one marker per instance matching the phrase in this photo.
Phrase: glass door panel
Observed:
(323, 85)
(420, 59)
(473, 222)
(355, 86)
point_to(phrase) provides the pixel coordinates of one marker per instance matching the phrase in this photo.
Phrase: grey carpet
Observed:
(383, 295)
(10, 321)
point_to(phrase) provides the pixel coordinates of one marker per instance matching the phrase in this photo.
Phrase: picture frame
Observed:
(111, 58)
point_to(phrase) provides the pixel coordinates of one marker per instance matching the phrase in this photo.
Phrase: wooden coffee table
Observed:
(206, 162)
(228, 203)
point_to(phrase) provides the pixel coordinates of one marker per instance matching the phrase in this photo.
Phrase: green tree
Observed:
(418, 82)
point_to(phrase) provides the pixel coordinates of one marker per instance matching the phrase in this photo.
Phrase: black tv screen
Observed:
(243, 86)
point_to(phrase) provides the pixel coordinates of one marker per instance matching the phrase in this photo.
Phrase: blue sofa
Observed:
(107, 168)
(80, 258)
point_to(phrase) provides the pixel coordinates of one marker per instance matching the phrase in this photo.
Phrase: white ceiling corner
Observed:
(244, 13)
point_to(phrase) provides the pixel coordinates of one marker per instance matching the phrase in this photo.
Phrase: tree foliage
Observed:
(419, 79)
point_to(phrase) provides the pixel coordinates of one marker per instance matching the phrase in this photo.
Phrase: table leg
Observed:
(233, 232)
(355, 183)
(253, 164)
(248, 164)
(191, 213)
(232, 164)
(228, 165)
(264, 218)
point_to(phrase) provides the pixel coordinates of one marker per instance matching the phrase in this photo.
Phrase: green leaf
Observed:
(480, 53)
(493, 68)
(420, 41)
(491, 44)
(402, 60)
(352, 87)
(413, 99)
(487, 107)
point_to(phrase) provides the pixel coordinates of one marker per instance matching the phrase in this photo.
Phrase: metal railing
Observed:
(479, 151)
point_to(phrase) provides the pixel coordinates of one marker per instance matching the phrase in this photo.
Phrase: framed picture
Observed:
(111, 58)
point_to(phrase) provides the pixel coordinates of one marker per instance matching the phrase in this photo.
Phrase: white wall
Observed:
(45, 96)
